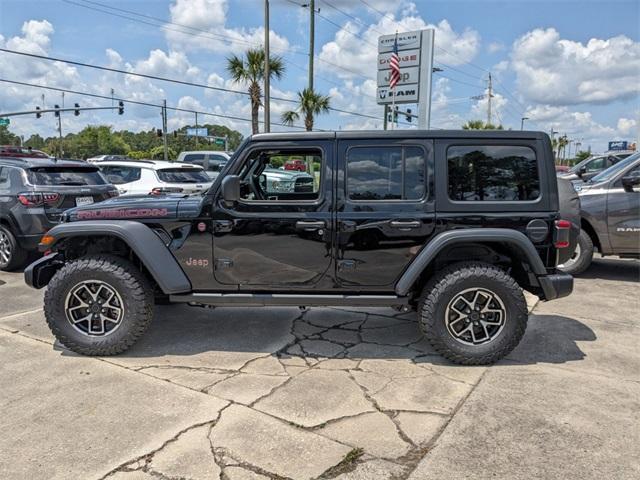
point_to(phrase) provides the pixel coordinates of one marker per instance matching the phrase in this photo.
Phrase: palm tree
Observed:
(250, 69)
(480, 125)
(310, 104)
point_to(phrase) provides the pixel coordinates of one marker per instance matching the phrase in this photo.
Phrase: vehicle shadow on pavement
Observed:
(227, 338)
(626, 270)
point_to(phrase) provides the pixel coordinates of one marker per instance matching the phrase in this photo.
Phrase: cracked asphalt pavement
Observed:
(240, 393)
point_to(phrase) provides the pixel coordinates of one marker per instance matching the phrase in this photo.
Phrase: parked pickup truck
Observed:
(453, 224)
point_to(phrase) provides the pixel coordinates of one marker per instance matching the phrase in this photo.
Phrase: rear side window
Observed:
(65, 176)
(183, 175)
(196, 158)
(118, 175)
(386, 173)
(492, 173)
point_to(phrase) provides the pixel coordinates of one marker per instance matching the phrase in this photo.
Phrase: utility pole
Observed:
(164, 130)
(386, 116)
(490, 96)
(312, 28)
(60, 151)
(267, 73)
(196, 130)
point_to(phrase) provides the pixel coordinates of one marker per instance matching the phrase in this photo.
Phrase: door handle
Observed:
(310, 225)
(405, 224)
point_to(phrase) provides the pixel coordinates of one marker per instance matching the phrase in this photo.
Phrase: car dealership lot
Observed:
(272, 393)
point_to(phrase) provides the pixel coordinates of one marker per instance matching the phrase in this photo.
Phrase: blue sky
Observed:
(573, 66)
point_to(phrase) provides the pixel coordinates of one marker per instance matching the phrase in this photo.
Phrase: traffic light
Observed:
(408, 115)
(120, 107)
(38, 114)
(175, 134)
(159, 132)
(395, 115)
(76, 110)
(57, 110)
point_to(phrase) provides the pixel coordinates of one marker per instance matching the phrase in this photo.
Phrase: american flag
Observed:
(394, 63)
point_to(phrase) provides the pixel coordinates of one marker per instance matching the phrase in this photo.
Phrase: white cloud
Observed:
(628, 126)
(201, 25)
(356, 55)
(495, 47)
(173, 65)
(556, 71)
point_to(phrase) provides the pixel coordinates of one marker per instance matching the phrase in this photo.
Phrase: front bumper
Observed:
(38, 274)
(556, 285)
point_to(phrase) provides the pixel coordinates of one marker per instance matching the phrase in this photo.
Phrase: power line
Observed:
(356, 19)
(133, 102)
(164, 79)
(345, 30)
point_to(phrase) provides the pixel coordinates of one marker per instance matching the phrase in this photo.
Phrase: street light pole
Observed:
(522, 122)
(267, 73)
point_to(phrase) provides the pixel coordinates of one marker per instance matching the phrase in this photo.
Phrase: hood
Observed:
(142, 207)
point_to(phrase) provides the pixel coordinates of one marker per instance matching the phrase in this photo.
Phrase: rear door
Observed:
(623, 215)
(385, 209)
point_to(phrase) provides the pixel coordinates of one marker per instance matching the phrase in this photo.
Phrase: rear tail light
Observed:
(30, 200)
(561, 237)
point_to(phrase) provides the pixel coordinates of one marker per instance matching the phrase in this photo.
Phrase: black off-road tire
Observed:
(119, 274)
(457, 278)
(583, 256)
(17, 254)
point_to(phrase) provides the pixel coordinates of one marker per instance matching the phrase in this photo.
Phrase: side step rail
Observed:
(296, 300)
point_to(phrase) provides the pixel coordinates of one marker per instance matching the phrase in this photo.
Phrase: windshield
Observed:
(183, 175)
(612, 171)
(65, 176)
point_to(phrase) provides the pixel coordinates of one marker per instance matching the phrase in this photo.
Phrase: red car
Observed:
(22, 152)
(295, 164)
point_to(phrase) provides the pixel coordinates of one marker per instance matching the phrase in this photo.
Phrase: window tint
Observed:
(386, 173)
(262, 181)
(4, 177)
(492, 173)
(183, 175)
(66, 176)
(596, 164)
(118, 175)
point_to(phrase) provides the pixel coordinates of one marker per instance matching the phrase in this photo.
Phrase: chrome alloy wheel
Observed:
(5, 249)
(475, 316)
(94, 308)
(574, 258)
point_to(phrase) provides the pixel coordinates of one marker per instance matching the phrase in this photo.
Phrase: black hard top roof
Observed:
(398, 134)
(29, 162)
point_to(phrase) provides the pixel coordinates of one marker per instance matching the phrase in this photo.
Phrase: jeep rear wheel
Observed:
(98, 305)
(12, 255)
(473, 313)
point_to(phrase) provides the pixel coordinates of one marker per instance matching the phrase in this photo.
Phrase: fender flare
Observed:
(451, 237)
(149, 248)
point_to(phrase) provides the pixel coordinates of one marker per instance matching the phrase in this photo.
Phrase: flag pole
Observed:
(393, 93)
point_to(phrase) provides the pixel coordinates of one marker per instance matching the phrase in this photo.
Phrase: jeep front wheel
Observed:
(473, 313)
(98, 305)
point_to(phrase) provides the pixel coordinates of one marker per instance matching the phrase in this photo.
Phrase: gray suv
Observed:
(610, 211)
(33, 194)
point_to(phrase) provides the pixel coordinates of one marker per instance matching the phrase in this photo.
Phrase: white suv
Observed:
(211, 160)
(154, 177)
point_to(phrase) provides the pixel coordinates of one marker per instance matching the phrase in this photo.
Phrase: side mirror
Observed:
(230, 189)
(582, 170)
(631, 183)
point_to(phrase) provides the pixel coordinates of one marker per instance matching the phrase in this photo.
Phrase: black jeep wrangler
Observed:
(454, 224)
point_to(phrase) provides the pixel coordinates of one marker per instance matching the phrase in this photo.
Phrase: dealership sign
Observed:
(618, 145)
(415, 54)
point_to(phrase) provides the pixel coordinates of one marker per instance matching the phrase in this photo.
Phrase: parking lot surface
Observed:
(331, 393)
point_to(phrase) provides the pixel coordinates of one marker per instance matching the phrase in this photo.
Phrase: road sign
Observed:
(4, 122)
(407, 76)
(197, 132)
(219, 141)
(415, 53)
(403, 94)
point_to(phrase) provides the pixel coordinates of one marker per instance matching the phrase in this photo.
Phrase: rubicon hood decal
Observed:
(113, 213)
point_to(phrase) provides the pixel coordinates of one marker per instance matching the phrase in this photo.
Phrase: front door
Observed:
(385, 209)
(623, 215)
(279, 234)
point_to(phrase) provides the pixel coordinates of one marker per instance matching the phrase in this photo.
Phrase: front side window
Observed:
(262, 180)
(492, 173)
(386, 173)
(597, 164)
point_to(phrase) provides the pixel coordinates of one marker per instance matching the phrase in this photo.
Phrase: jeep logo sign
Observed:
(407, 76)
